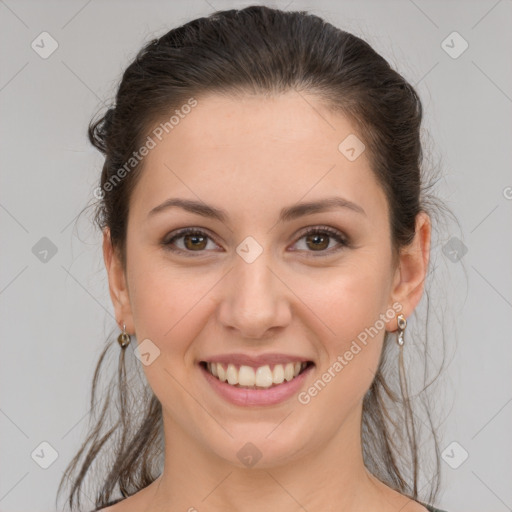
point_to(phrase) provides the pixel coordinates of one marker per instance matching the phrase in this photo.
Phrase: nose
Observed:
(255, 300)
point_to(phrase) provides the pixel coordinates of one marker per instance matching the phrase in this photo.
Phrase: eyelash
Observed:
(324, 230)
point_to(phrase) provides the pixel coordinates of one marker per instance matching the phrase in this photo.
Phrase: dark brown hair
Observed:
(259, 50)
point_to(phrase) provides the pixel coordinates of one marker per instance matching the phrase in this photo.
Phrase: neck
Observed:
(331, 476)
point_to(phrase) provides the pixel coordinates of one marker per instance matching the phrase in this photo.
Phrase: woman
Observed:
(266, 237)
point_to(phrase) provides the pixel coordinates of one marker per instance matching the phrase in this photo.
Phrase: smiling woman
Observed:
(262, 256)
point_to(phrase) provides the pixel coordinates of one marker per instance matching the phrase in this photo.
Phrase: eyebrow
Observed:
(287, 214)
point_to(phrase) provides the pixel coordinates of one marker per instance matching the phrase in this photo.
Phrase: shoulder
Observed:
(393, 500)
(418, 506)
(113, 506)
(132, 503)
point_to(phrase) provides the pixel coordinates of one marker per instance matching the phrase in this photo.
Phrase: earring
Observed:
(124, 338)
(402, 324)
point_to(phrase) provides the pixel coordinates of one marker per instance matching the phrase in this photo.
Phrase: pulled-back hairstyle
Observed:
(264, 51)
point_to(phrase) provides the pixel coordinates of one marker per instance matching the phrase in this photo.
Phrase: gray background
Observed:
(56, 312)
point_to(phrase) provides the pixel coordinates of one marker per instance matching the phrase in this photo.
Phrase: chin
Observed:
(256, 449)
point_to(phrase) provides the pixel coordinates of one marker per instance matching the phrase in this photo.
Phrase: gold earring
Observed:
(402, 324)
(124, 338)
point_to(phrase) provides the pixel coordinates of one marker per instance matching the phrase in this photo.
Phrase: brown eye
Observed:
(194, 240)
(318, 240)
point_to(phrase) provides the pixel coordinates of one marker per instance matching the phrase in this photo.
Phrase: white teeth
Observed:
(278, 374)
(246, 376)
(220, 371)
(288, 371)
(262, 377)
(232, 374)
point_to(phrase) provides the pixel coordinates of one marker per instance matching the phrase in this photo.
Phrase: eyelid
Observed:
(334, 232)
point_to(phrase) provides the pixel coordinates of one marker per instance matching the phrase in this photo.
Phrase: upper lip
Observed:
(255, 360)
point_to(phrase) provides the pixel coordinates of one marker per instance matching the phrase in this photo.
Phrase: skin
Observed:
(252, 157)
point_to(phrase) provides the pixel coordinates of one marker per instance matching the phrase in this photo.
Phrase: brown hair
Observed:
(260, 50)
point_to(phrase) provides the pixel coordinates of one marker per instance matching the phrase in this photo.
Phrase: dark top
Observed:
(430, 508)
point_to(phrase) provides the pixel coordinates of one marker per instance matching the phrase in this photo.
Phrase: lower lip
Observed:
(257, 397)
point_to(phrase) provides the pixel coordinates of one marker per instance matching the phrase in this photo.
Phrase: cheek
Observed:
(167, 301)
(167, 308)
(351, 305)
(353, 300)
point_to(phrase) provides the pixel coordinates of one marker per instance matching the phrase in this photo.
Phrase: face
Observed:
(257, 286)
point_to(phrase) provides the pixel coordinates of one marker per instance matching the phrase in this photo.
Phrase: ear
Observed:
(412, 269)
(117, 284)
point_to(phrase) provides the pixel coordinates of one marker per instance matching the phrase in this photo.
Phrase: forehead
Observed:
(256, 153)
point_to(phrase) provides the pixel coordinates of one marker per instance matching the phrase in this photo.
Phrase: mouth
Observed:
(256, 378)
